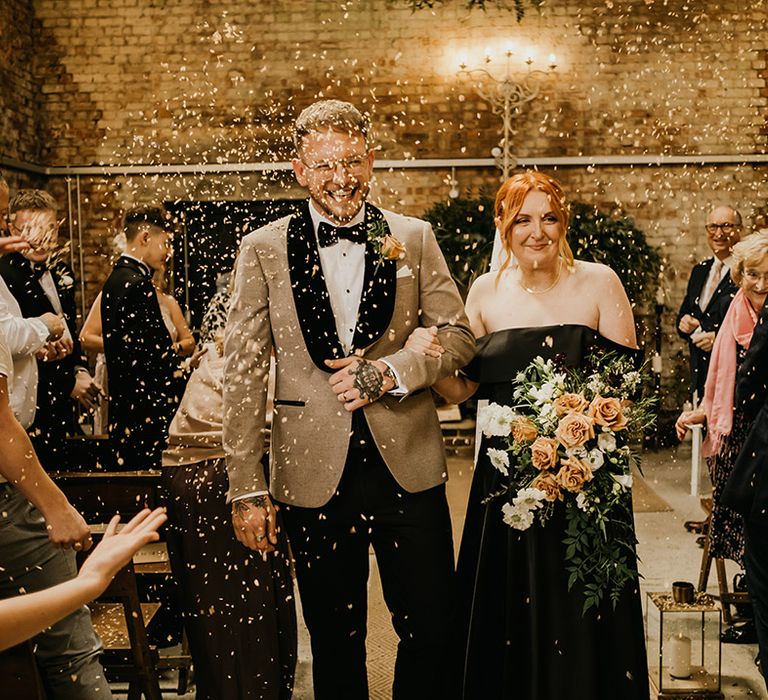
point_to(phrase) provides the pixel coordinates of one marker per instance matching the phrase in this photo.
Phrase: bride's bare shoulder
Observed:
(484, 284)
(593, 272)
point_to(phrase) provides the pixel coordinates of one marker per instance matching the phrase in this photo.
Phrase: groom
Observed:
(356, 454)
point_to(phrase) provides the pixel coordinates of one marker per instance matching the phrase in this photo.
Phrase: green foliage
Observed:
(517, 5)
(464, 228)
(618, 243)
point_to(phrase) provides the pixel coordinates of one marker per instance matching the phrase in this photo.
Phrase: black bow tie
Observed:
(329, 235)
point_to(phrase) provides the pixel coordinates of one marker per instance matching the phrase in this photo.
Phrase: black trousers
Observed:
(411, 536)
(756, 566)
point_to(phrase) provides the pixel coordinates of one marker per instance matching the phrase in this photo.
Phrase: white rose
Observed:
(499, 459)
(496, 420)
(595, 459)
(606, 442)
(578, 452)
(623, 480)
(518, 518)
(581, 501)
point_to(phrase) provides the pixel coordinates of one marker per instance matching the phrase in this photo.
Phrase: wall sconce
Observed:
(506, 96)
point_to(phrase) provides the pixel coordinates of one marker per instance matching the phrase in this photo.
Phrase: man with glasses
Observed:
(709, 293)
(43, 283)
(357, 457)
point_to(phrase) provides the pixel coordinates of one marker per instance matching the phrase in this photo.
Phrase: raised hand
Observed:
(12, 244)
(116, 549)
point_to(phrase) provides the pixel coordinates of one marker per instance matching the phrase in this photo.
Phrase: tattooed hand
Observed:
(255, 521)
(359, 382)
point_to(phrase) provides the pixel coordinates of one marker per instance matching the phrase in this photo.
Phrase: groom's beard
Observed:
(339, 204)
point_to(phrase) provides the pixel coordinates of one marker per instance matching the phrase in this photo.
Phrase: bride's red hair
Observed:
(509, 201)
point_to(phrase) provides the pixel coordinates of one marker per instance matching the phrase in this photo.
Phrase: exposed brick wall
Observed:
(175, 81)
(20, 90)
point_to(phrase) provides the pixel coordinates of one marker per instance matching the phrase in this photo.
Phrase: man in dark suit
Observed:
(709, 293)
(145, 376)
(43, 283)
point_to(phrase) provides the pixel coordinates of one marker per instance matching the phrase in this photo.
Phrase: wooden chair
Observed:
(120, 620)
(98, 496)
(19, 673)
(728, 598)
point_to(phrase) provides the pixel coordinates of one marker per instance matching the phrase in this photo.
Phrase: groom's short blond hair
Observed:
(337, 115)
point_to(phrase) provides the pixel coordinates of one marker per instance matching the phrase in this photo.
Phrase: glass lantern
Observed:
(683, 642)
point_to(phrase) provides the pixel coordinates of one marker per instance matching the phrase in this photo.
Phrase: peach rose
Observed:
(546, 482)
(608, 413)
(573, 474)
(392, 248)
(523, 430)
(574, 429)
(544, 453)
(569, 403)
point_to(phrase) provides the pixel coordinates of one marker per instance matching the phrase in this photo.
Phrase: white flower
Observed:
(623, 480)
(581, 501)
(66, 281)
(499, 459)
(631, 379)
(594, 384)
(606, 442)
(545, 393)
(530, 498)
(595, 459)
(578, 452)
(518, 518)
(496, 420)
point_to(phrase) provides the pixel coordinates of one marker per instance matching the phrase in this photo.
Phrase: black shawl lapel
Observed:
(132, 264)
(378, 300)
(25, 286)
(310, 294)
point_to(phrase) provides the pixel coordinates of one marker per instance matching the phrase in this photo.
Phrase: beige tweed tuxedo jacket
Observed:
(280, 305)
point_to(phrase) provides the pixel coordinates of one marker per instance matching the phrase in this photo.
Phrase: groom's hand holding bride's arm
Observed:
(254, 519)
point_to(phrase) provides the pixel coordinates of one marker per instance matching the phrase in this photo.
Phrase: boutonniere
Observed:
(387, 246)
(66, 281)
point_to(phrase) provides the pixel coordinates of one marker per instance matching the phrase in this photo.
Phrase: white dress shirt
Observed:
(343, 265)
(24, 337)
(6, 370)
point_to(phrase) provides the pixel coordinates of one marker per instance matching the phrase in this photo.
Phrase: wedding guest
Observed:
(357, 457)
(26, 337)
(26, 615)
(38, 530)
(727, 423)
(92, 339)
(521, 630)
(42, 283)
(710, 289)
(238, 608)
(146, 378)
(746, 490)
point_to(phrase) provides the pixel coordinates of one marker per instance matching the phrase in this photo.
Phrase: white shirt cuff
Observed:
(400, 389)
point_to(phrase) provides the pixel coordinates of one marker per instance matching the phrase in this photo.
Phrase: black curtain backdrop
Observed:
(211, 232)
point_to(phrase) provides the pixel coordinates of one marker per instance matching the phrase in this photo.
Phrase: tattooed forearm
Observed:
(369, 380)
(241, 507)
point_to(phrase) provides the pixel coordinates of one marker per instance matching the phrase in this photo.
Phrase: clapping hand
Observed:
(86, 390)
(688, 324)
(12, 244)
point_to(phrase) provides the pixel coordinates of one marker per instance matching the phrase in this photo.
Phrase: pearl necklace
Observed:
(542, 291)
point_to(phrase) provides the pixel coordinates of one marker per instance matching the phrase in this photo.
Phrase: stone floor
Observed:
(667, 553)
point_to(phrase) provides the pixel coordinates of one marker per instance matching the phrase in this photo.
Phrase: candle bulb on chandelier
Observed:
(552, 61)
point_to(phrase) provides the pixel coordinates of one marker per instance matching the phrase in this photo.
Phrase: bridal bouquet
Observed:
(566, 443)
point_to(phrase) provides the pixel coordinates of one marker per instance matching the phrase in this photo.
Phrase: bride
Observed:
(522, 633)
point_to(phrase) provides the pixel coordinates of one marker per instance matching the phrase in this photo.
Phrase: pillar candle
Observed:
(680, 656)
